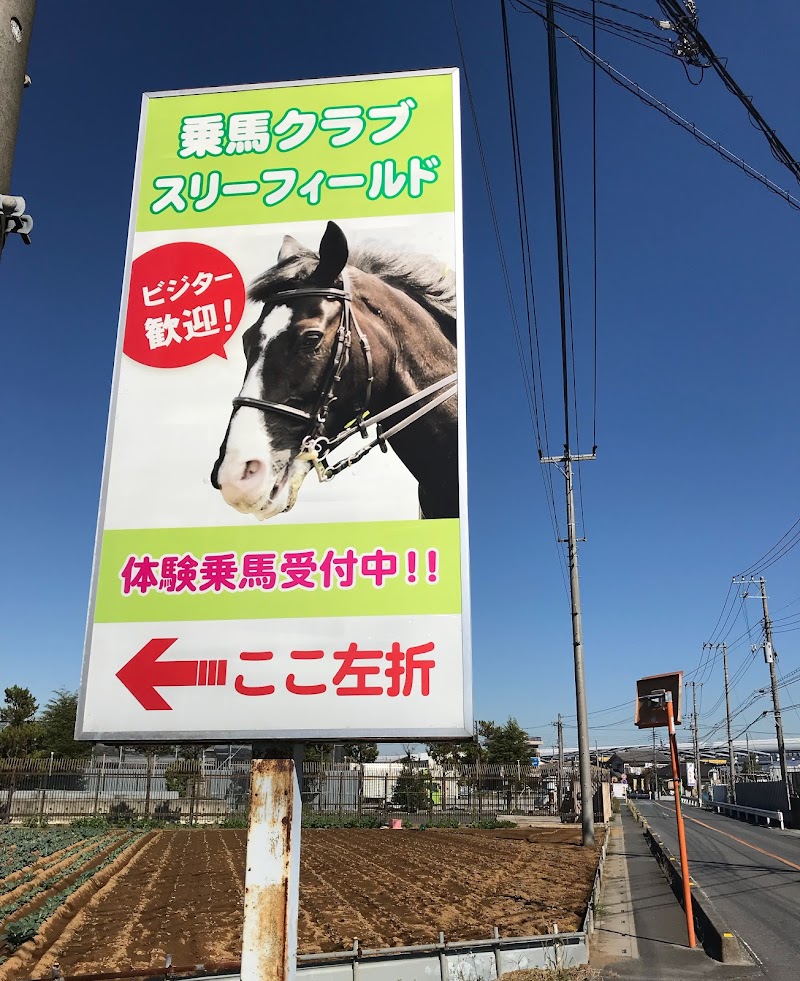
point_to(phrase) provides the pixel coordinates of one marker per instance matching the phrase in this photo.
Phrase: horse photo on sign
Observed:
(345, 342)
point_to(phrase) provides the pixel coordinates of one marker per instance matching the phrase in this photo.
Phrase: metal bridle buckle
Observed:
(314, 449)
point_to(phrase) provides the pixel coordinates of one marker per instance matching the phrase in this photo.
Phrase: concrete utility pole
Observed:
(731, 756)
(584, 752)
(696, 743)
(16, 26)
(560, 726)
(584, 760)
(770, 655)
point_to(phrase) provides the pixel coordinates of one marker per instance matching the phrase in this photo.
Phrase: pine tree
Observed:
(19, 737)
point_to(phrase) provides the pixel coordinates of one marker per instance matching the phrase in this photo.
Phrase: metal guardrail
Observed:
(739, 809)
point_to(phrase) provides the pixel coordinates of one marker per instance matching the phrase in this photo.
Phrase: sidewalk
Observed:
(641, 932)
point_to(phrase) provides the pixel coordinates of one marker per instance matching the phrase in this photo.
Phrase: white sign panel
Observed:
(282, 543)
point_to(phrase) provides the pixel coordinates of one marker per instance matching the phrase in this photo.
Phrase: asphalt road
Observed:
(751, 874)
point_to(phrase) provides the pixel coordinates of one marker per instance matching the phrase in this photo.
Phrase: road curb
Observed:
(718, 941)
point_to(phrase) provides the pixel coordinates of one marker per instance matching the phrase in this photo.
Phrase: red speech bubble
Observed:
(185, 302)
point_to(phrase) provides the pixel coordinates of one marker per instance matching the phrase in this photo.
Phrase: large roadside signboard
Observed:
(282, 541)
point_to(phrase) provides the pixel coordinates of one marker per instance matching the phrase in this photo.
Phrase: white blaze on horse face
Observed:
(253, 477)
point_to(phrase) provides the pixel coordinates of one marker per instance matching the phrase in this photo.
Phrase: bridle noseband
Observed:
(315, 446)
(339, 359)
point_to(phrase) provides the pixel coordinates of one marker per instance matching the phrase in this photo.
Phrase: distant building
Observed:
(535, 744)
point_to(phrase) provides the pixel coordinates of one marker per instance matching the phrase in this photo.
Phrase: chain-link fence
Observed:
(211, 792)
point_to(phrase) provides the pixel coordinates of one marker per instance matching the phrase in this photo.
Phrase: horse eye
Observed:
(310, 340)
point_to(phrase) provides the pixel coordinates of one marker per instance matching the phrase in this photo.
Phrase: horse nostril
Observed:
(252, 469)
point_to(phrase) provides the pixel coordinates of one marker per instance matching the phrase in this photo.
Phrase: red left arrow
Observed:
(144, 672)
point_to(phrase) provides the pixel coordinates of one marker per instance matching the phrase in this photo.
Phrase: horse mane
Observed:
(422, 277)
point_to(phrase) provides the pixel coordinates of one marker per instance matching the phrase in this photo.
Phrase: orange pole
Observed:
(676, 780)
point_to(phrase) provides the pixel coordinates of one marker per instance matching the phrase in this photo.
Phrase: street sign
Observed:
(282, 540)
(651, 712)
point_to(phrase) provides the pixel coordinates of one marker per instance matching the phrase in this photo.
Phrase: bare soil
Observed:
(182, 894)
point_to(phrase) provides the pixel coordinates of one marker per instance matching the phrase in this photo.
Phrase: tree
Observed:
(183, 775)
(318, 753)
(57, 727)
(333, 752)
(19, 736)
(751, 765)
(449, 755)
(360, 752)
(508, 743)
(411, 792)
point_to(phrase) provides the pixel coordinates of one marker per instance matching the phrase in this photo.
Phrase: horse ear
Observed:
(333, 253)
(290, 248)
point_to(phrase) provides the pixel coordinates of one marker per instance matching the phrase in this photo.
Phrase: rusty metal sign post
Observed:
(272, 876)
(656, 698)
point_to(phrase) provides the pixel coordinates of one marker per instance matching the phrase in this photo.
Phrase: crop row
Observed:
(44, 884)
(21, 847)
(37, 868)
(17, 932)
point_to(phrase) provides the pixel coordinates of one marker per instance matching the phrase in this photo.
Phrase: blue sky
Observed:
(697, 427)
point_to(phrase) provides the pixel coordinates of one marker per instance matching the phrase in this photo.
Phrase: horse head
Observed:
(289, 393)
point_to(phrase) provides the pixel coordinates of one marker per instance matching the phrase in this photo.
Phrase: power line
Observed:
(635, 89)
(507, 281)
(527, 261)
(647, 39)
(694, 47)
(772, 555)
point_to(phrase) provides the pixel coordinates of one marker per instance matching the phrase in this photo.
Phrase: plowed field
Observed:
(180, 892)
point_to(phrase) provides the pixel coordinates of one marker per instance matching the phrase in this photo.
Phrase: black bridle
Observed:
(339, 359)
(315, 445)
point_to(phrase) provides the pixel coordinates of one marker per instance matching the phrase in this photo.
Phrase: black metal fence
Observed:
(210, 792)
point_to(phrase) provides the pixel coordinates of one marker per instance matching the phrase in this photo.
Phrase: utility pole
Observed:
(16, 25)
(584, 759)
(696, 743)
(559, 783)
(584, 752)
(770, 655)
(731, 757)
